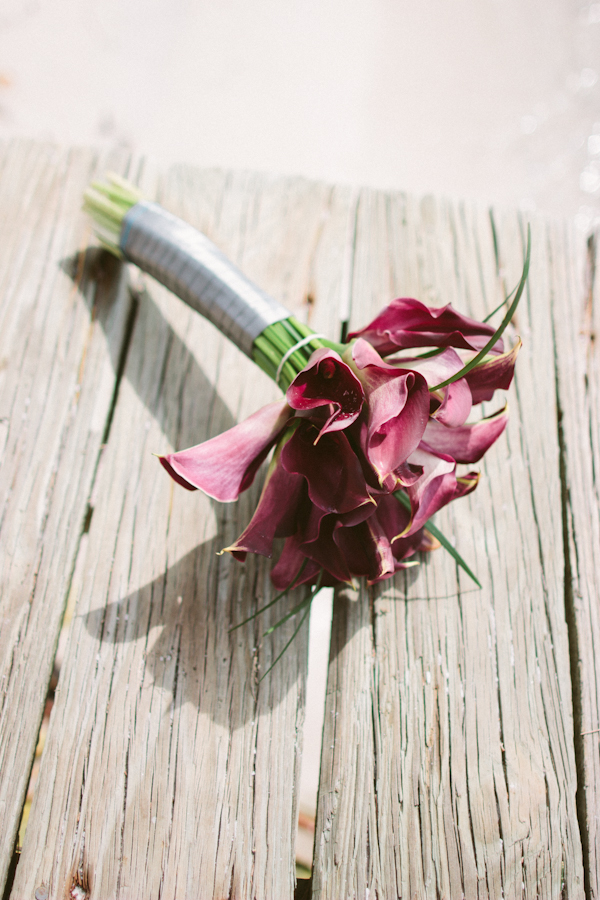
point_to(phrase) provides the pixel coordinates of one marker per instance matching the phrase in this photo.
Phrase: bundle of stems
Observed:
(282, 349)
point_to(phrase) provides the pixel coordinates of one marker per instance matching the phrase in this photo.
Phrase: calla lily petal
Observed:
(435, 488)
(225, 465)
(398, 404)
(495, 374)
(456, 405)
(410, 323)
(335, 480)
(367, 549)
(466, 443)
(275, 516)
(328, 381)
(293, 568)
(456, 400)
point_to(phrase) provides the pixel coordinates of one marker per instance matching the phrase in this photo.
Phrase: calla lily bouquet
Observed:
(367, 439)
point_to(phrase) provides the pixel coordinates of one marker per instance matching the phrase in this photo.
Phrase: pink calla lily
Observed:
(398, 410)
(225, 465)
(437, 487)
(493, 375)
(410, 323)
(466, 443)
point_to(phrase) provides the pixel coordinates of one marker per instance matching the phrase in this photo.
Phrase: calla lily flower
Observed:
(352, 431)
(437, 487)
(332, 471)
(340, 551)
(410, 323)
(328, 383)
(466, 443)
(225, 465)
(398, 410)
(493, 375)
(451, 404)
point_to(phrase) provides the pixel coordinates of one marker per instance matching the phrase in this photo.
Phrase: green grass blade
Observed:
(500, 305)
(289, 615)
(431, 528)
(311, 596)
(499, 332)
(273, 601)
(300, 624)
(436, 533)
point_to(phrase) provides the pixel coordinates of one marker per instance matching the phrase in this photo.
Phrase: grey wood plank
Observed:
(448, 766)
(169, 770)
(57, 378)
(576, 321)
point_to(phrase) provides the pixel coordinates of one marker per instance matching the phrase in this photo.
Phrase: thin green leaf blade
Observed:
(433, 530)
(436, 533)
(501, 328)
(300, 624)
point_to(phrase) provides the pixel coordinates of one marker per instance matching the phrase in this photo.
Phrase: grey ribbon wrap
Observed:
(189, 265)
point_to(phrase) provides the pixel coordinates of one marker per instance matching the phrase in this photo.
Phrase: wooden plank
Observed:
(576, 315)
(169, 770)
(57, 379)
(448, 767)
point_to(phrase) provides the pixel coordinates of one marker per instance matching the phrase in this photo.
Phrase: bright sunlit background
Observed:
(497, 100)
(492, 99)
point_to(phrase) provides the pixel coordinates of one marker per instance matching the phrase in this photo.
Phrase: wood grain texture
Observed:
(178, 777)
(448, 766)
(57, 380)
(576, 321)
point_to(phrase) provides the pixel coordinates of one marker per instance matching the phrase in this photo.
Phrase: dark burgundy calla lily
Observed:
(276, 514)
(333, 473)
(351, 432)
(466, 443)
(335, 550)
(410, 323)
(328, 383)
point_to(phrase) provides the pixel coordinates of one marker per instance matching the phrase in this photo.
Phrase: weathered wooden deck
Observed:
(461, 750)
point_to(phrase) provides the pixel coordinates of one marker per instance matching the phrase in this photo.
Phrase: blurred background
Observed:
(491, 99)
(494, 100)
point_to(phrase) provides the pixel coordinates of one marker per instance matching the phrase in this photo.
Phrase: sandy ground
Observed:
(497, 100)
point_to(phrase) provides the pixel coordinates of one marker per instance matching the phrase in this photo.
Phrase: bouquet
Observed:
(366, 441)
